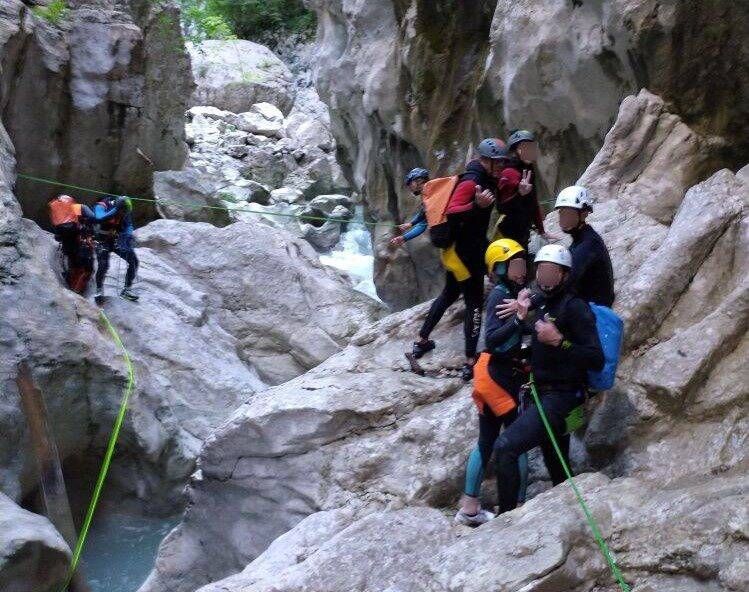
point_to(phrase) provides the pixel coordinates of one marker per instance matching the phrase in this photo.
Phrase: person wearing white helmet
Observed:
(564, 347)
(592, 276)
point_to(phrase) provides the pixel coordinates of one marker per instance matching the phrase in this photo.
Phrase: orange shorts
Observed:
(486, 391)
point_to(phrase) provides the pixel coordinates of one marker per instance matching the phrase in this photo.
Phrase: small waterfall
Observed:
(353, 256)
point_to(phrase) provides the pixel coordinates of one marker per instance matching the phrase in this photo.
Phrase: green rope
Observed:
(302, 217)
(107, 456)
(588, 515)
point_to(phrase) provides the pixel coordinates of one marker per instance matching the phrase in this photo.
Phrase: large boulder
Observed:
(322, 229)
(262, 119)
(689, 539)
(322, 456)
(239, 272)
(358, 427)
(33, 555)
(400, 99)
(191, 196)
(235, 74)
(97, 100)
(309, 121)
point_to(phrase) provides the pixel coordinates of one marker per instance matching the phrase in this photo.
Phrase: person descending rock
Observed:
(468, 211)
(69, 221)
(517, 203)
(114, 232)
(415, 181)
(592, 276)
(564, 347)
(499, 373)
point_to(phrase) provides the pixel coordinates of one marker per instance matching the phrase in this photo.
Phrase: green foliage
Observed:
(263, 21)
(53, 13)
(202, 22)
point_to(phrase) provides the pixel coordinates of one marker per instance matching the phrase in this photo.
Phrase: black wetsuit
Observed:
(469, 230)
(592, 277)
(560, 375)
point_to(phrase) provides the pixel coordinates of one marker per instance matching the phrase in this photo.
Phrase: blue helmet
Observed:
(417, 173)
(493, 148)
(517, 136)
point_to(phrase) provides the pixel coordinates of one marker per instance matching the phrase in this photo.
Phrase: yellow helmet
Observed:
(501, 250)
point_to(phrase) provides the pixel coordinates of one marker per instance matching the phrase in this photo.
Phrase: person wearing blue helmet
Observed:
(416, 226)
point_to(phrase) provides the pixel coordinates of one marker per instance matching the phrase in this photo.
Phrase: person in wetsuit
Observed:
(415, 181)
(498, 375)
(565, 346)
(468, 213)
(592, 275)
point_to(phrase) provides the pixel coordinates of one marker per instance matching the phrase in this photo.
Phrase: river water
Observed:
(121, 549)
(353, 256)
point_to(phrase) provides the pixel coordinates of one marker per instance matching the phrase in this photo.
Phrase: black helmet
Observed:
(492, 148)
(517, 136)
(417, 173)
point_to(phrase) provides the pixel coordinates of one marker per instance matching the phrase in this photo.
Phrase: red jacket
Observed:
(508, 191)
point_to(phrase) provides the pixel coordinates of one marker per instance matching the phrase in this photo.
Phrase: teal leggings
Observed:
(489, 428)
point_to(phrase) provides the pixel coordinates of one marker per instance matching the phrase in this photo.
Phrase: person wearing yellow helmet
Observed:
(499, 372)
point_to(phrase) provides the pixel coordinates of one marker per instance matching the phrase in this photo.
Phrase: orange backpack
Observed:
(436, 197)
(64, 210)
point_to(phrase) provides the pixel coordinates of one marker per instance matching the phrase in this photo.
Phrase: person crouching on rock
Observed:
(415, 181)
(114, 232)
(564, 347)
(499, 372)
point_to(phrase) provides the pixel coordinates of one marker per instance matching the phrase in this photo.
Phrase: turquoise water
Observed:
(121, 549)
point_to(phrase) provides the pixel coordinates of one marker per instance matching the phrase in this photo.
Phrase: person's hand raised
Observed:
(526, 183)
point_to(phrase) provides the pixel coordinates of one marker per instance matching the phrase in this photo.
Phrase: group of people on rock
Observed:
(83, 231)
(544, 328)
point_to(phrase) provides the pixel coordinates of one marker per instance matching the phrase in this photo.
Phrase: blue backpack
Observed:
(610, 332)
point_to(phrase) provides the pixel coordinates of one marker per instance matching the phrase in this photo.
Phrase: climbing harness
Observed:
(129, 387)
(301, 217)
(605, 551)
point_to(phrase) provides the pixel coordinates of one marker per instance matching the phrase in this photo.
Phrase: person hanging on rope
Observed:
(113, 231)
(565, 346)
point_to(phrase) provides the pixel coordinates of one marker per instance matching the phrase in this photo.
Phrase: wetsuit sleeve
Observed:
(583, 256)
(508, 184)
(419, 225)
(462, 198)
(418, 217)
(101, 213)
(498, 331)
(582, 345)
(416, 230)
(87, 213)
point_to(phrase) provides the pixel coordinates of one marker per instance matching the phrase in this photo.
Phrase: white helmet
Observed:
(574, 197)
(555, 254)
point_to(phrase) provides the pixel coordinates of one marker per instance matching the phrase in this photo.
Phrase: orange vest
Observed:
(436, 197)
